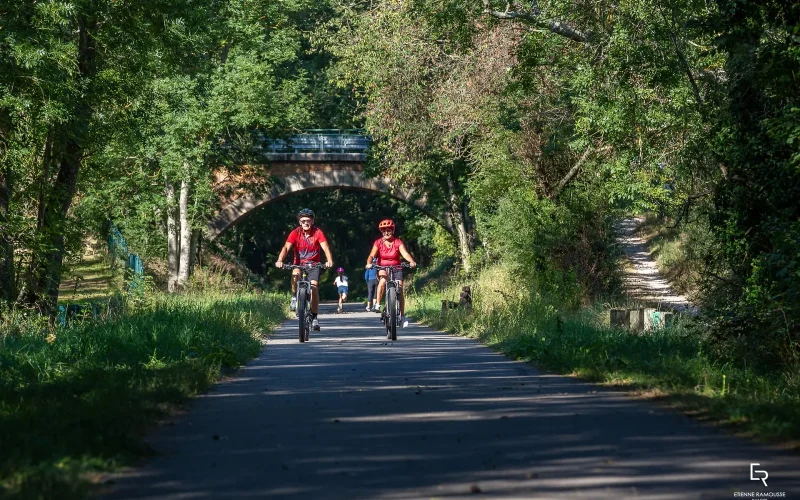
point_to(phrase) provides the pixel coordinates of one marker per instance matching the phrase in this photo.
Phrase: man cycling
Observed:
(389, 249)
(306, 240)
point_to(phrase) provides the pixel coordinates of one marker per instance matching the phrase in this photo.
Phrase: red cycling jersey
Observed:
(388, 255)
(306, 248)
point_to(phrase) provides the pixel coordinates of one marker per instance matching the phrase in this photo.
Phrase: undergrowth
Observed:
(78, 398)
(676, 364)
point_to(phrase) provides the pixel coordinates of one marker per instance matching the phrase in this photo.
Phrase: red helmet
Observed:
(386, 224)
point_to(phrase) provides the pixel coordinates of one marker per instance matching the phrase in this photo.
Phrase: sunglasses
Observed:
(306, 221)
(384, 231)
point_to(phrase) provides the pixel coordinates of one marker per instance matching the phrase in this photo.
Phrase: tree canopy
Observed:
(532, 126)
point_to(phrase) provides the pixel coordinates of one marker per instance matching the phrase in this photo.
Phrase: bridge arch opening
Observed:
(349, 218)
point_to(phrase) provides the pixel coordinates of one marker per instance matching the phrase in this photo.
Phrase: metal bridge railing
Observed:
(319, 141)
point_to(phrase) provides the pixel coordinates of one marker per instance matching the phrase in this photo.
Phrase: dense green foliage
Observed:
(109, 109)
(79, 398)
(561, 117)
(532, 127)
(755, 214)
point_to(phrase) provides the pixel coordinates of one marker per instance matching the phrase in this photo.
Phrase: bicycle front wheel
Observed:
(391, 304)
(302, 315)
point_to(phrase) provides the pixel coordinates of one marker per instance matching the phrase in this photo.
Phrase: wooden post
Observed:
(620, 318)
(637, 319)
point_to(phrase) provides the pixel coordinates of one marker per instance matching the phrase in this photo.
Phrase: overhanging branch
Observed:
(574, 171)
(535, 17)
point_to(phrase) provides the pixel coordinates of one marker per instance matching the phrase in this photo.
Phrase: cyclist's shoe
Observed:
(376, 308)
(369, 309)
(404, 321)
(339, 311)
(315, 325)
(293, 304)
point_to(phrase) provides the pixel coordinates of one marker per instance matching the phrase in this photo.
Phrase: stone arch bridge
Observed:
(315, 160)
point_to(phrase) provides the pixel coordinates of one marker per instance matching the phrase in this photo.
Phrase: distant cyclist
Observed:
(341, 287)
(388, 250)
(307, 240)
(371, 277)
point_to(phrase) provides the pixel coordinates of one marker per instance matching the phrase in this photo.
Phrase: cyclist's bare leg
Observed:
(381, 288)
(314, 297)
(400, 297)
(295, 279)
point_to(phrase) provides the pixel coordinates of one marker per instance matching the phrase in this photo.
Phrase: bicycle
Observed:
(304, 298)
(390, 316)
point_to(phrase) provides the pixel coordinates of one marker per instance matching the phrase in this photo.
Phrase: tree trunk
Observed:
(44, 180)
(41, 291)
(186, 235)
(7, 282)
(41, 288)
(194, 255)
(173, 243)
(456, 220)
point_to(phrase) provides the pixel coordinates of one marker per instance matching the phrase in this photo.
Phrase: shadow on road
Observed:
(351, 415)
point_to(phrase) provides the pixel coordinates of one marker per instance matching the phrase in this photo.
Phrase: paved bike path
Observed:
(350, 415)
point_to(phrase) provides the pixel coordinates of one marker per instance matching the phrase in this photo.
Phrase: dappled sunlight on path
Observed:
(351, 415)
(643, 281)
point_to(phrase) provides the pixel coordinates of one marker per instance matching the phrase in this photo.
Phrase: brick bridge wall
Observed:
(243, 193)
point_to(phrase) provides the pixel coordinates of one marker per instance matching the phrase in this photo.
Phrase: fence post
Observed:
(621, 318)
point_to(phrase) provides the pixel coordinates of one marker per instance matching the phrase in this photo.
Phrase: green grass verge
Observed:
(90, 279)
(672, 365)
(78, 399)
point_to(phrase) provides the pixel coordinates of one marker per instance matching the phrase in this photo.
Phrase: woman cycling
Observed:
(388, 249)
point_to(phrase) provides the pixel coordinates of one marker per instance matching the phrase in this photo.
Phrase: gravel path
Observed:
(643, 281)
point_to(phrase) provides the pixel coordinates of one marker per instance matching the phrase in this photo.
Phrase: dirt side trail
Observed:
(643, 282)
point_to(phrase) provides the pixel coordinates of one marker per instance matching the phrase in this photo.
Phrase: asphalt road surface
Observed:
(350, 415)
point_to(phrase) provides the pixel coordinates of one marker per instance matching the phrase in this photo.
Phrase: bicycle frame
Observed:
(303, 295)
(391, 313)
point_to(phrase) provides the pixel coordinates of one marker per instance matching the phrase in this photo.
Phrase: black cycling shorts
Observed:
(313, 274)
(397, 274)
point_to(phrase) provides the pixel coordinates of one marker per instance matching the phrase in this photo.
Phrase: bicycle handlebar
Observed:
(399, 266)
(303, 266)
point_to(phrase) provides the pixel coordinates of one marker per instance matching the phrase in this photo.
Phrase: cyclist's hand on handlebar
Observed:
(278, 264)
(369, 266)
(412, 264)
(329, 264)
